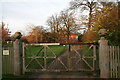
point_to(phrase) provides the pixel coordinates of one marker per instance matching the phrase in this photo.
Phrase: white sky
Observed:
(19, 13)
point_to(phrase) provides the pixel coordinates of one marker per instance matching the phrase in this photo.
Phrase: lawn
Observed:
(38, 51)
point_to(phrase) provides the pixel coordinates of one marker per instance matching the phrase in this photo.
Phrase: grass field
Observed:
(38, 51)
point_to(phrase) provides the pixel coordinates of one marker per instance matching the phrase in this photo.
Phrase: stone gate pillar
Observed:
(17, 54)
(103, 55)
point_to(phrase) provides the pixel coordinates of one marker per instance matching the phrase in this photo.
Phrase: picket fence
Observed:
(114, 61)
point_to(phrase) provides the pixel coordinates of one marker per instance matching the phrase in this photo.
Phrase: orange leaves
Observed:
(89, 36)
(5, 33)
(31, 38)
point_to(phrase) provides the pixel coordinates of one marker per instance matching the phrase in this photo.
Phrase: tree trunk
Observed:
(90, 19)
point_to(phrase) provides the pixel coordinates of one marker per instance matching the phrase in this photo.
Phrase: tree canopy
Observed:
(108, 18)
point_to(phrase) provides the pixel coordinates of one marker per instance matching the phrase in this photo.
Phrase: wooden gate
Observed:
(56, 57)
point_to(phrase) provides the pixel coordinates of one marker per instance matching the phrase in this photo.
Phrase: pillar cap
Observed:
(17, 35)
(102, 32)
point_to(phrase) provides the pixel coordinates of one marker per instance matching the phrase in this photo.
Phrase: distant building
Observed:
(72, 38)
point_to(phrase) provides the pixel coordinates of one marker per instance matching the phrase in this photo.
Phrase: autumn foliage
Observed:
(5, 33)
(89, 36)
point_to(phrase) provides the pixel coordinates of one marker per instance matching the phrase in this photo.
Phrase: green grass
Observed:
(89, 52)
(35, 51)
(86, 51)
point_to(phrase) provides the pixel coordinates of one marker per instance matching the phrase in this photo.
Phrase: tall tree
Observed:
(67, 23)
(62, 25)
(35, 35)
(53, 22)
(5, 33)
(85, 5)
(109, 19)
(91, 7)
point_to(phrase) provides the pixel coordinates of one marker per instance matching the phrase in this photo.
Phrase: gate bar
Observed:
(53, 44)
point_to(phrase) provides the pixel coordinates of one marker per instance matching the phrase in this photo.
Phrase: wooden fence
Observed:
(7, 60)
(114, 61)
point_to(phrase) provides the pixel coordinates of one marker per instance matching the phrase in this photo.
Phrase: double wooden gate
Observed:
(56, 57)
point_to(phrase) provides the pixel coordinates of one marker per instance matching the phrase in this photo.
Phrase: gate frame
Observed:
(69, 49)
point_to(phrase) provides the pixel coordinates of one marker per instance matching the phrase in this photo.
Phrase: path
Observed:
(62, 75)
(71, 60)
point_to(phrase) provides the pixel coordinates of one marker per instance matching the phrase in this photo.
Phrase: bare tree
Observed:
(53, 22)
(67, 23)
(62, 24)
(85, 5)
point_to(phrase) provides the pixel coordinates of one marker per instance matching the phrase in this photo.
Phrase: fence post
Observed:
(17, 55)
(68, 56)
(23, 57)
(103, 55)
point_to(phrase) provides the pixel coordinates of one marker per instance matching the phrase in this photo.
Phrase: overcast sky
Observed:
(19, 13)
